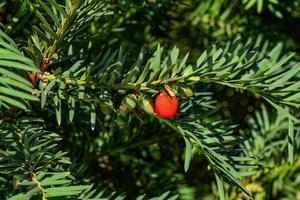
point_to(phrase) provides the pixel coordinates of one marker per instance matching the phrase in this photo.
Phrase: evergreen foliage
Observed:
(77, 83)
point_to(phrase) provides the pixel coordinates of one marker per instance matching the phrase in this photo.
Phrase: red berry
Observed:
(166, 106)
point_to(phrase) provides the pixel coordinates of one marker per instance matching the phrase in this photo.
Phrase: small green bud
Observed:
(185, 91)
(188, 70)
(121, 121)
(146, 105)
(107, 106)
(50, 77)
(61, 94)
(81, 82)
(68, 81)
(128, 104)
(194, 78)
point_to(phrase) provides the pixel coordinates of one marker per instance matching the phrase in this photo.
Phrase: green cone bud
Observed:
(121, 121)
(128, 104)
(107, 106)
(146, 105)
(185, 91)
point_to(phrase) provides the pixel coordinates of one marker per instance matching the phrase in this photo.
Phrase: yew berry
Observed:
(166, 106)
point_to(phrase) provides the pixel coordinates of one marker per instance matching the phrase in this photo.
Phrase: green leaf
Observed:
(260, 4)
(291, 139)
(64, 191)
(16, 65)
(11, 82)
(45, 25)
(59, 8)
(51, 14)
(188, 154)
(20, 197)
(220, 187)
(15, 93)
(10, 55)
(174, 55)
(93, 116)
(57, 103)
(13, 102)
(71, 104)
(15, 76)
(9, 43)
(161, 197)
(53, 182)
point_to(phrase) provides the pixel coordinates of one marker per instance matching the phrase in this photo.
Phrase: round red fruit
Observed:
(166, 106)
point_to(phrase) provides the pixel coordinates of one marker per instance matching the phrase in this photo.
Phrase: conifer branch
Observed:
(64, 27)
